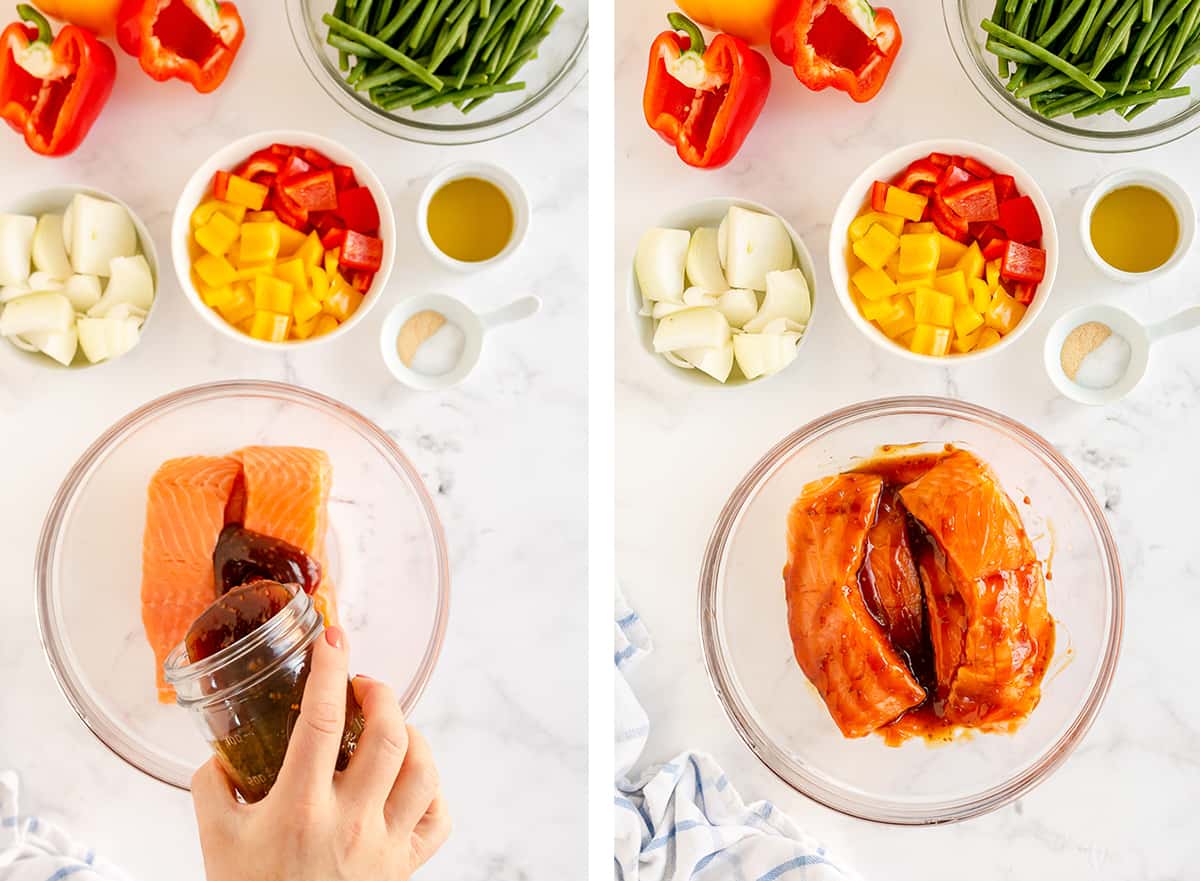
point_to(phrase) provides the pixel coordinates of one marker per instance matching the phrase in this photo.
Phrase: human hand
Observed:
(380, 819)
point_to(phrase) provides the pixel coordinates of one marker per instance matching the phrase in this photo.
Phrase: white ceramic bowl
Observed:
(55, 200)
(886, 168)
(1185, 210)
(198, 187)
(494, 174)
(710, 212)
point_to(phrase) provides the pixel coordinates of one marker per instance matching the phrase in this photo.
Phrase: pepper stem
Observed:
(681, 22)
(35, 18)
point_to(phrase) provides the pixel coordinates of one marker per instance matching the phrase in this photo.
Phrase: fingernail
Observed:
(334, 636)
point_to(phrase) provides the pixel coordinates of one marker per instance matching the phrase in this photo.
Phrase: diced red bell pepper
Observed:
(324, 221)
(1020, 220)
(941, 160)
(984, 233)
(333, 238)
(973, 201)
(947, 222)
(343, 176)
(952, 176)
(976, 168)
(221, 184)
(994, 250)
(1023, 263)
(1006, 187)
(282, 150)
(878, 195)
(361, 252)
(923, 189)
(264, 163)
(293, 166)
(1024, 292)
(357, 208)
(312, 191)
(316, 159)
(922, 171)
(361, 280)
(288, 211)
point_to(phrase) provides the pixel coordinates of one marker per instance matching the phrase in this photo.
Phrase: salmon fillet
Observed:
(946, 613)
(889, 578)
(185, 511)
(287, 497)
(841, 648)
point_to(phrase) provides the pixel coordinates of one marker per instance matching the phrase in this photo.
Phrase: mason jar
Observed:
(246, 697)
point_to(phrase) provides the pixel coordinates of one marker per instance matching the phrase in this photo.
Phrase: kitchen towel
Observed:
(32, 849)
(684, 821)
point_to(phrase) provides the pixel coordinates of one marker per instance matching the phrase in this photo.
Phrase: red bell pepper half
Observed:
(1023, 263)
(974, 201)
(357, 209)
(52, 89)
(361, 252)
(1020, 220)
(190, 40)
(704, 100)
(845, 44)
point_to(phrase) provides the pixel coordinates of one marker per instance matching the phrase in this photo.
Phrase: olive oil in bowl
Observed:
(470, 219)
(1135, 229)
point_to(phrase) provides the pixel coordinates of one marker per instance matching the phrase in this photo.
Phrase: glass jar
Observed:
(246, 697)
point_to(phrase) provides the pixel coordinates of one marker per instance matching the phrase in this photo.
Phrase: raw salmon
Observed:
(185, 512)
(889, 578)
(840, 647)
(287, 497)
(946, 615)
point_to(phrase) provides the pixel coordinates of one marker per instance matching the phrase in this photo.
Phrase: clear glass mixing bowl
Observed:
(1106, 133)
(780, 716)
(387, 553)
(561, 65)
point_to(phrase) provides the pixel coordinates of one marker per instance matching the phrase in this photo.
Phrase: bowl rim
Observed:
(556, 90)
(495, 174)
(894, 161)
(56, 652)
(720, 677)
(149, 250)
(633, 300)
(1052, 131)
(243, 147)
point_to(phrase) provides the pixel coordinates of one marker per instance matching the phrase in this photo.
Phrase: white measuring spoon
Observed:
(1140, 337)
(474, 327)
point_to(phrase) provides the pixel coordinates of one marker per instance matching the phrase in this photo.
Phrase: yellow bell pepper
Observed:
(261, 217)
(934, 307)
(952, 252)
(749, 19)
(205, 210)
(964, 344)
(919, 254)
(863, 223)
(319, 283)
(240, 308)
(95, 15)
(876, 247)
(272, 295)
(981, 294)
(290, 239)
(270, 327)
(246, 192)
(305, 307)
(903, 322)
(971, 262)
(293, 272)
(312, 251)
(1005, 312)
(343, 300)
(953, 283)
(218, 235)
(260, 243)
(918, 228)
(325, 324)
(966, 320)
(874, 284)
(993, 274)
(302, 330)
(910, 206)
(884, 310)
(989, 337)
(214, 271)
(930, 340)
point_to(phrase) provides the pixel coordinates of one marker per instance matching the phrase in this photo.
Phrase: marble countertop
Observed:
(1123, 805)
(504, 456)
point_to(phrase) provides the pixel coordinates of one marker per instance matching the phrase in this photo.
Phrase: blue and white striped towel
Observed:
(684, 821)
(32, 849)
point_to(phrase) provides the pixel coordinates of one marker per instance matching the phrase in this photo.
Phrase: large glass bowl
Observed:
(560, 66)
(388, 557)
(1105, 133)
(780, 716)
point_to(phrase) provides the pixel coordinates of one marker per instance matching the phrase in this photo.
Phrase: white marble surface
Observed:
(1123, 805)
(504, 456)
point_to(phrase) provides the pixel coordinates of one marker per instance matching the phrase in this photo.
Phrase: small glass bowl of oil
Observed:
(473, 216)
(1137, 224)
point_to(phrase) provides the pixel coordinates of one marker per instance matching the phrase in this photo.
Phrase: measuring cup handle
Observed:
(517, 310)
(1188, 319)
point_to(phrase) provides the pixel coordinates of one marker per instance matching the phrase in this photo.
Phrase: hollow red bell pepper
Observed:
(190, 40)
(1023, 263)
(973, 201)
(704, 100)
(845, 44)
(52, 89)
(1020, 220)
(361, 252)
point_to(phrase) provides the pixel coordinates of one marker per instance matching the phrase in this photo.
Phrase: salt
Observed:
(440, 353)
(1105, 365)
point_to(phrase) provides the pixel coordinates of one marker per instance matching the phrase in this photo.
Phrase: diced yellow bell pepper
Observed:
(312, 251)
(919, 228)
(305, 307)
(981, 294)
(319, 283)
(989, 337)
(302, 330)
(863, 223)
(246, 192)
(910, 285)
(993, 274)
(910, 206)
(903, 321)
(293, 272)
(270, 326)
(325, 324)
(1005, 312)
(205, 210)
(215, 297)
(260, 243)
(919, 254)
(246, 324)
(272, 295)
(930, 340)
(875, 247)
(240, 307)
(905, 339)
(218, 235)
(214, 271)
(343, 300)
(964, 344)
(934, 307)
(972, 262)
(290, 239)
(261, 217)
(886, 309)
(953, 283)
(254, 270)
(952, 252)
(874, 284)
(332, 258)
(966, 320)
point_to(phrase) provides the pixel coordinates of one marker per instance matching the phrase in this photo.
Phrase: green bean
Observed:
(1121, 101)
(1139, 48)
(362, 9)
(474, 92)
(1147, 10)
(403, 14)
(518, 31)
(1008, 52)
(351, 47)
(1069, 104)
(533, 40)
(1045, 56)
(1045, 13)
(456, 33)
(1067, 16)
(432, 10)
(477, 41)
(551, 15)
(1089, 17)
(408, 100)
(382, 11)
(1093, 34)
(393, 55)
(339, 9)
(1111, 45)
(1176, 47)
(1020, 21)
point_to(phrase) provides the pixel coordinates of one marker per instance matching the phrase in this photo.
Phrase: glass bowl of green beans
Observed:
(1104, 76)
(444, 71)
